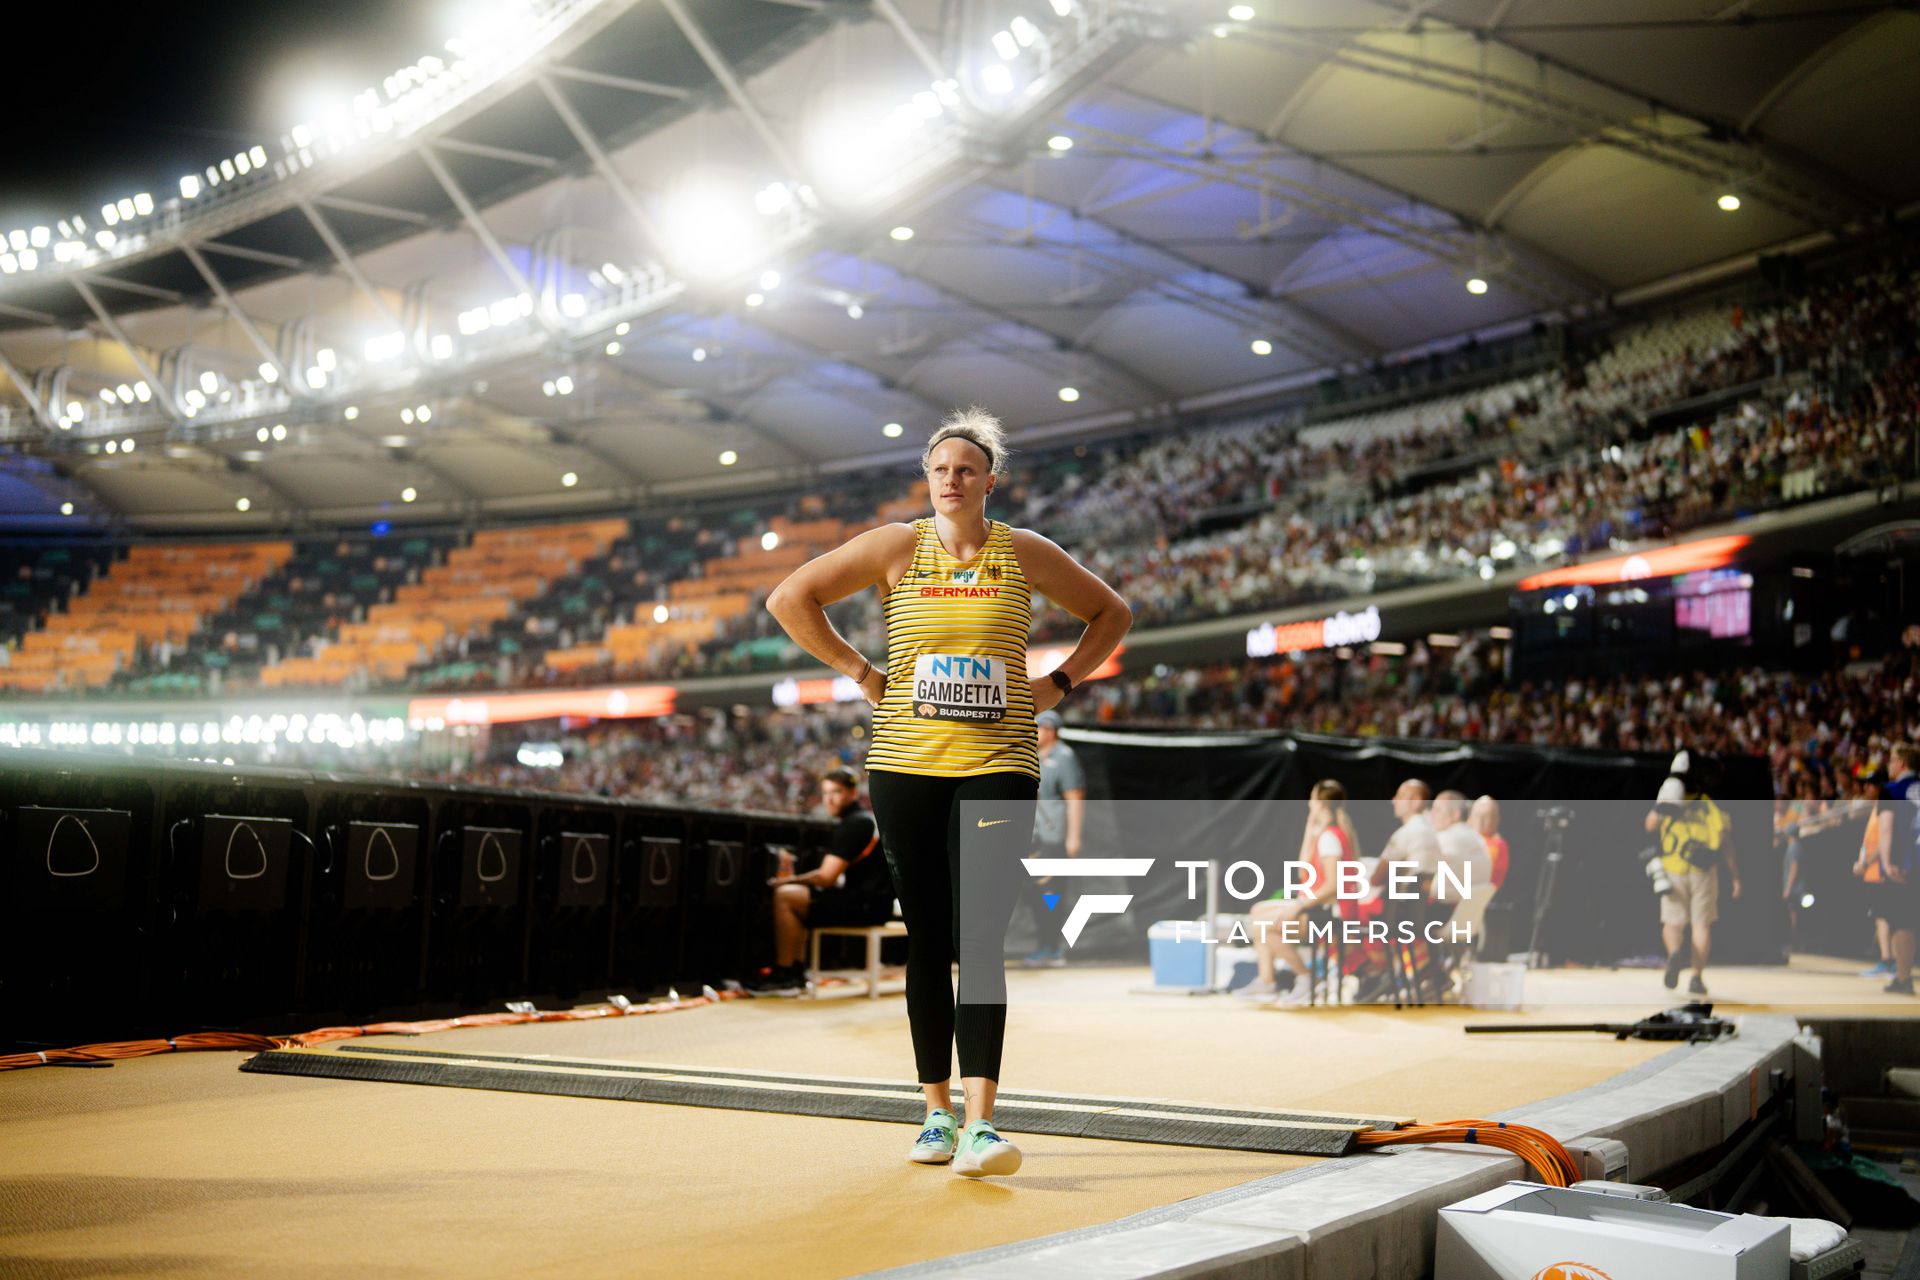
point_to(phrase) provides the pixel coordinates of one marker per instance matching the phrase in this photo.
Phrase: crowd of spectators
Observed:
(1820, 733)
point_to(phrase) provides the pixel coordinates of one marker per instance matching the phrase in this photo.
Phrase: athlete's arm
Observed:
(1063, 580)
(799, 604)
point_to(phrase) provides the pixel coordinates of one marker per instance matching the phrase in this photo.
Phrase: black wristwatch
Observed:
(1062, 680)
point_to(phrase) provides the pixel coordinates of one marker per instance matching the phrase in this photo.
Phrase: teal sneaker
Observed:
(937, 1139)
(983, 1153)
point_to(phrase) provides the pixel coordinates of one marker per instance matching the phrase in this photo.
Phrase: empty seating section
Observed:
(460, 596)
(158, 596)
(703, 606)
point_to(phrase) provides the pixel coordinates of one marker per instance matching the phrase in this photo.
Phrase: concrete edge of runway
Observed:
(1376, 1215)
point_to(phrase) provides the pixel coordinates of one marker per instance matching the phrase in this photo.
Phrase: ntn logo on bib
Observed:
(959, 687)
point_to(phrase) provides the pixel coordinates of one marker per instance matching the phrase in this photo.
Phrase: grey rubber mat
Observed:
(1156, 1120)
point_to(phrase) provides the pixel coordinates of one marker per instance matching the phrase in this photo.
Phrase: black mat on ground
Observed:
(1157, 1120)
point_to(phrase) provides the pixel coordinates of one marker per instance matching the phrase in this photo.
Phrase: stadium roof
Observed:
(619, 238)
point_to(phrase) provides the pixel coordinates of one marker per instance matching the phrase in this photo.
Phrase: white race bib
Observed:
(959, 687)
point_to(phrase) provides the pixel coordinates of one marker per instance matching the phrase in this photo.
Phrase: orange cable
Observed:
(1541, 1150)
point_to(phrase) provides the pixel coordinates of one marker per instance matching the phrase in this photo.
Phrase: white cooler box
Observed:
(1525, 1231)
(1179, 956)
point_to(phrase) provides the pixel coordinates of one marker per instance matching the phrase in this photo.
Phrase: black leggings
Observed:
(919, 819)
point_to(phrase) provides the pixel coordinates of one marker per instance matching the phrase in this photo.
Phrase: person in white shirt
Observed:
(1414, 845)
(1462, 849)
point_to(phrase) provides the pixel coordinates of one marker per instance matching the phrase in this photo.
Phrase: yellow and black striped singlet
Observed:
(958, 700)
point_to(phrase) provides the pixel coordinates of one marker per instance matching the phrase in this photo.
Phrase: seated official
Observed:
(851, 886)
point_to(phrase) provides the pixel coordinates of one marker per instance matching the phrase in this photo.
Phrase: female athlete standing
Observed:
(952, 723)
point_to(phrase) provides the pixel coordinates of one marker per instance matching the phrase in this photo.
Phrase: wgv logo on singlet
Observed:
(965, 577)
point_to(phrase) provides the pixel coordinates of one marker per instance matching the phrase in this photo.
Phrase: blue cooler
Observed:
(1179, 956)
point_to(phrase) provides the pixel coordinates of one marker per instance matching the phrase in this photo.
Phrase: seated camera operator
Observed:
(851, 886)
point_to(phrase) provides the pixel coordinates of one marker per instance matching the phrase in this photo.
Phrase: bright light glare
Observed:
(1069, 394)
(1060, 142)
(769, 540)
(728, 458)
(1241, 13)
(1261, 347)
(661, 613)
(1005, 45)
(243, 504)
(409, 493)
(570, 479)
(901, 233)
(708, 233)
(1728, 203)
(996, 79)
(892, 430)
(1476, 285)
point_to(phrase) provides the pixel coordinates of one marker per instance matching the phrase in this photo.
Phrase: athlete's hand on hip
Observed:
(1046, 694)
(874, 687)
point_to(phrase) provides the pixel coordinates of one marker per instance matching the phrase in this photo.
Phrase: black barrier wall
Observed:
(1599, 909)
(140, 901)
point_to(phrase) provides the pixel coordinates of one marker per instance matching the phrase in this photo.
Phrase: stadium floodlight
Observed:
(1062, 8)
(613, 348)
(143, 204)
(613, 274)
(29, 259)
(504, 311)
(316, 378)
(279, 431)
(18, 239)
(1069, 394)
(546, 388)
(892, 430)
(1241, 13)
(1006, 46)
(424, 413)
(1059, 142)
(113, 446)
(771, 199)
(106, 395)
(324, 359)
(855, 311)
(769, 540)
(573, 306)
(209, 381)
(622, 329)
(193, 398)
(755, 299)
(66, 508)
(268, 373)
(1729, 203)
(227, 170)
(409, 493)
(125, 206)
(707, 232)
(126, 446)
(661, 613)
(76, 410)
(442, 346)
(769, 280)
(728, 457)
(243, 504)
(396, 442)
(474, 320)
(1476, 285)
(406, 415)
(996, 79)
(261, 434)
(563, 384)
(699, 354)
(1261, 347)
(40, 237)
(351, 412)
(105, 238)
(388, 346)
(570, 479)
(902, 233)
(8, 263)
(1023, 31)
(302, 135)
(125, 393)
(258, 155)
(109, 214)
(242, 165)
